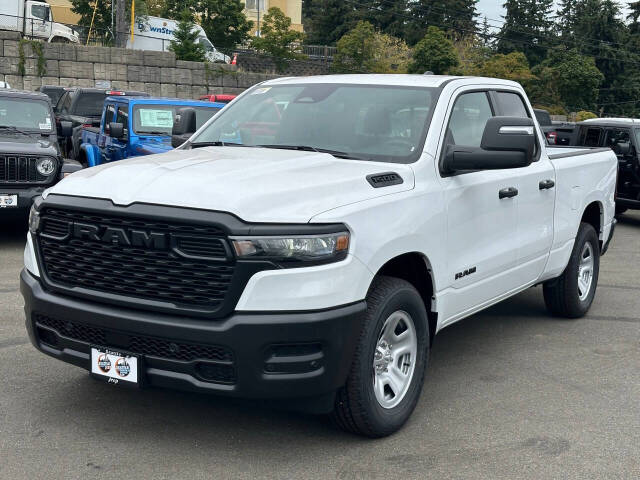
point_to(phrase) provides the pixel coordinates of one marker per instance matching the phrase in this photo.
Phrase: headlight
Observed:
(45, 166)
(323, 248)
(34, 220)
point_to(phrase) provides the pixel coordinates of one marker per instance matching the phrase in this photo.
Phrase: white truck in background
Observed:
(155, 33)
(32, 18)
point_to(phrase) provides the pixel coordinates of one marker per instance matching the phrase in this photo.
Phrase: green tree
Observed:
(435, 52)
(386, 16)
(277, 38)
(583, 115)
(512, 66)
(326, 21)
(567, 78)
(102, 21)
(456, 17)
(527, 28)
(223, 21)
(185, 44)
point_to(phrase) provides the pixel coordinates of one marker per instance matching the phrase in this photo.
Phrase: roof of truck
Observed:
(610, 122)
(164, 100)
(10, 92)
(417, 80)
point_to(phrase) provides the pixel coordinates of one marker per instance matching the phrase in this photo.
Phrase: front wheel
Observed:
(386, 377)
(571, 295)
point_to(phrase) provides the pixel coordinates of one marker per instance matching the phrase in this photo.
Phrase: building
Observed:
(291, 8)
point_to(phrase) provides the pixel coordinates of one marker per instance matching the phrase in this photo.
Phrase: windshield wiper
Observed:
(217, 143)
(308, 148)
(14, 129)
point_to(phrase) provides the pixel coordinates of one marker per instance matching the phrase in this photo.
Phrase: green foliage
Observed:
(102, 20)
(277, 39)
(326, 21)
(36, 46)
(568, 78)
(223, 21)
(512, 66)
(435, 52)
(584, 115)
(365, 50)
(527, 28)
(456, 17)
(185, 44)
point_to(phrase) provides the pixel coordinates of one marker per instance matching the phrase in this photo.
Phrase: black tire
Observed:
(561, 295)
(356, 408)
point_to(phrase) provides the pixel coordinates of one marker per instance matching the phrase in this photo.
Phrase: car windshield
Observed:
(90, 104)
(379, 123)
(205, 43)
(26, 114)
(158, 119)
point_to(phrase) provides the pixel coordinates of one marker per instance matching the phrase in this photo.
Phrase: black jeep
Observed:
(30, 158)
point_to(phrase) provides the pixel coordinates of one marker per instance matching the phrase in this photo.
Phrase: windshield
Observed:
(208, 46)
(379, 123)
(90, 104)
(158, 119)
(26, 114)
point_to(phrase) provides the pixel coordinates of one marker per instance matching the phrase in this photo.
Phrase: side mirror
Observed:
(622, 149)
(116, 130)
(66, 129)
(507, 142)
(184, 126)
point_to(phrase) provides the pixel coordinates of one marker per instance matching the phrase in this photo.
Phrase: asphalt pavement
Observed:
(510, 393)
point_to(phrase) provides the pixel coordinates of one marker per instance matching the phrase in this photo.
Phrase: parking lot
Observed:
(510, 393)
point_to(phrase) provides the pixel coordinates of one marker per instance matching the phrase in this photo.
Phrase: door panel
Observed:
(482, 243)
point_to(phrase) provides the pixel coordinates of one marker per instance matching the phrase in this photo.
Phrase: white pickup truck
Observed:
(309, 242)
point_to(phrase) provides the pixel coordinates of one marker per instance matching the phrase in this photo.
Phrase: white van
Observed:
(155, 33)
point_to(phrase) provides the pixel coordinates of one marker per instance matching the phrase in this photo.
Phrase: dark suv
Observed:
(30, 158)
(622, 135)
(83, 107)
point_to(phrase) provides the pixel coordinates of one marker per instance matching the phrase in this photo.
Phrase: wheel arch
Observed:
(593, 214)
(415, 268)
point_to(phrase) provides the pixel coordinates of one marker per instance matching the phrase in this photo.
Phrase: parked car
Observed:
(557, 133)
(622, 135)
(316, 263)
(132, 126)
(83, 107)
(54, 92)
(30, 159)
(155, 33)
(32, 18)
(219, 98)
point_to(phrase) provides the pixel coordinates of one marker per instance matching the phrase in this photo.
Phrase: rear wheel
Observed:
(386, 377)
(571, 295)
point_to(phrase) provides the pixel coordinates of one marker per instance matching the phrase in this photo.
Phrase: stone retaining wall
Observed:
(158, 73)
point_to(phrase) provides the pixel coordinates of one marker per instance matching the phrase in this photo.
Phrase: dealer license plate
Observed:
(7, 201)
(114, 366)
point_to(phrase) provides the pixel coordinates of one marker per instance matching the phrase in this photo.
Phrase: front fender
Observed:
(91, 154)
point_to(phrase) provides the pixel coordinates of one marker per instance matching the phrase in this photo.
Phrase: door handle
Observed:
(546, 184)
(508, 192)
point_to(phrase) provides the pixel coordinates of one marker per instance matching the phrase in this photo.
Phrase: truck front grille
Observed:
(163, 264)
(20, 169)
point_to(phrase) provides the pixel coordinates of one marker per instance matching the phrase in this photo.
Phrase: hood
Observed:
(255, 184)
(28, 145)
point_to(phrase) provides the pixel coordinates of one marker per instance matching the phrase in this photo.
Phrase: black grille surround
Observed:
(218, 359)
(149, 257)
(21, 169)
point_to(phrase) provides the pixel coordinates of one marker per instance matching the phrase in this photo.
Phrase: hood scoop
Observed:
(386, 179)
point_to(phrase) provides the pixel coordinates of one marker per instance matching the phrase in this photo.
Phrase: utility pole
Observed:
(121, 23)
(258, 30)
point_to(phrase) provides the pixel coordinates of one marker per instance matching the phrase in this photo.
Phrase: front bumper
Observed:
(26, 195)
(255, 355)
